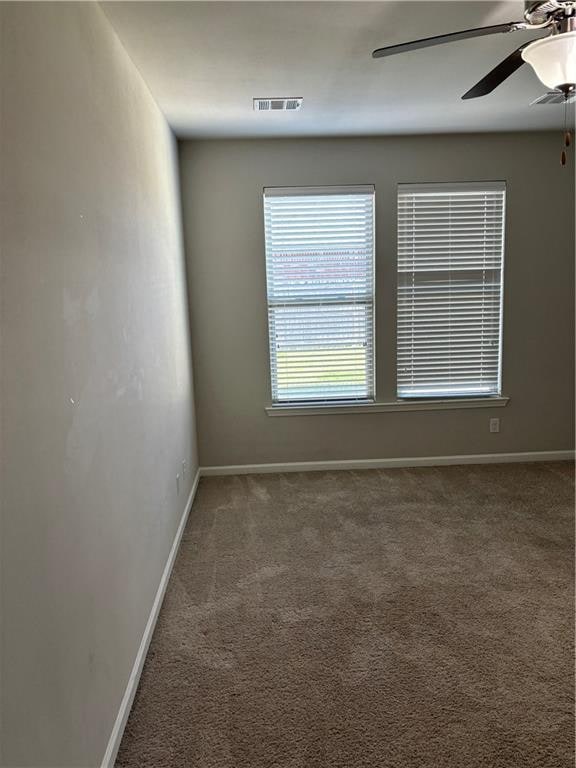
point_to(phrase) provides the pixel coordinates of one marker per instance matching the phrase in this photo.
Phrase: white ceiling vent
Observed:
(553, 97)
(286, 104)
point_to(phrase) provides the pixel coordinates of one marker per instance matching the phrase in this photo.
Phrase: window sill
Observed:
(395, 405)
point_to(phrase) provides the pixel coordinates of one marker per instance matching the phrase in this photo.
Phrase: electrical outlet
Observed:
(183, 469)
(495, 425)
(178, 485)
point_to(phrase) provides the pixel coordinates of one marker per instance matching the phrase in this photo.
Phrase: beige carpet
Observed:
(387, 618)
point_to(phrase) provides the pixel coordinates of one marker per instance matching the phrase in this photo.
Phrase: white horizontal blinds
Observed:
(450, 259)
(320, 280)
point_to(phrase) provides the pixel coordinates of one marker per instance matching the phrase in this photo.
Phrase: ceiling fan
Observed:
(552, 57)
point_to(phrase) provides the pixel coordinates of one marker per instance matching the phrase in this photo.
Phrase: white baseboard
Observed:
(126, 704)
(419, 461)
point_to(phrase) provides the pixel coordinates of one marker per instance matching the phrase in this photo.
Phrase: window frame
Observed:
(282, 407)
(459, 186)
(389, 404)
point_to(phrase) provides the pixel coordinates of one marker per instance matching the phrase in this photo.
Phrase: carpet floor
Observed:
(407, 618)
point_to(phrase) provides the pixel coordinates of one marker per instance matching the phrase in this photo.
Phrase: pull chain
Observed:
(567, 132)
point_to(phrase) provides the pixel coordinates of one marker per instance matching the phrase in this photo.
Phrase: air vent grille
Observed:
(284, 104)
(553, 97)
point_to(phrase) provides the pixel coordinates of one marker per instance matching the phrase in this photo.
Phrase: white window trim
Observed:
(491, 186)
(346, 189)
(451, 404)
(368, 189)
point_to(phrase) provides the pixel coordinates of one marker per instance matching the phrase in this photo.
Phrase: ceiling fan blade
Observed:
(452, 37)
(496, 76)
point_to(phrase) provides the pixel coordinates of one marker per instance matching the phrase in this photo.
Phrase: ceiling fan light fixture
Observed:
(554, 60)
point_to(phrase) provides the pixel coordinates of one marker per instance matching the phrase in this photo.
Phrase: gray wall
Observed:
(97, 414)
(222, 185)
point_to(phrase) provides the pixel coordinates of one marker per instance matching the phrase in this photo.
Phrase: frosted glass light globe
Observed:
(553, 59)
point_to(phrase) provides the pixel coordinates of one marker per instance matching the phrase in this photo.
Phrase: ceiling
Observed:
(205, 61)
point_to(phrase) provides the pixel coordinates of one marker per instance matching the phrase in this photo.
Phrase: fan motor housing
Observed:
(541, 11)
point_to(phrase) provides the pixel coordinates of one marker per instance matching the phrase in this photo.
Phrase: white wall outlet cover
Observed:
(495, 425)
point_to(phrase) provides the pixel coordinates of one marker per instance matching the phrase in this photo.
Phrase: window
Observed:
(320, 281)
(450, 259)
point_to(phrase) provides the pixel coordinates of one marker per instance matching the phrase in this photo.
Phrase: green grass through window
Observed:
(319, 366)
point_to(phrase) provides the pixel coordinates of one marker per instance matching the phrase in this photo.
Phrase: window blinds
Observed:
(450, 260)
(320, 282)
